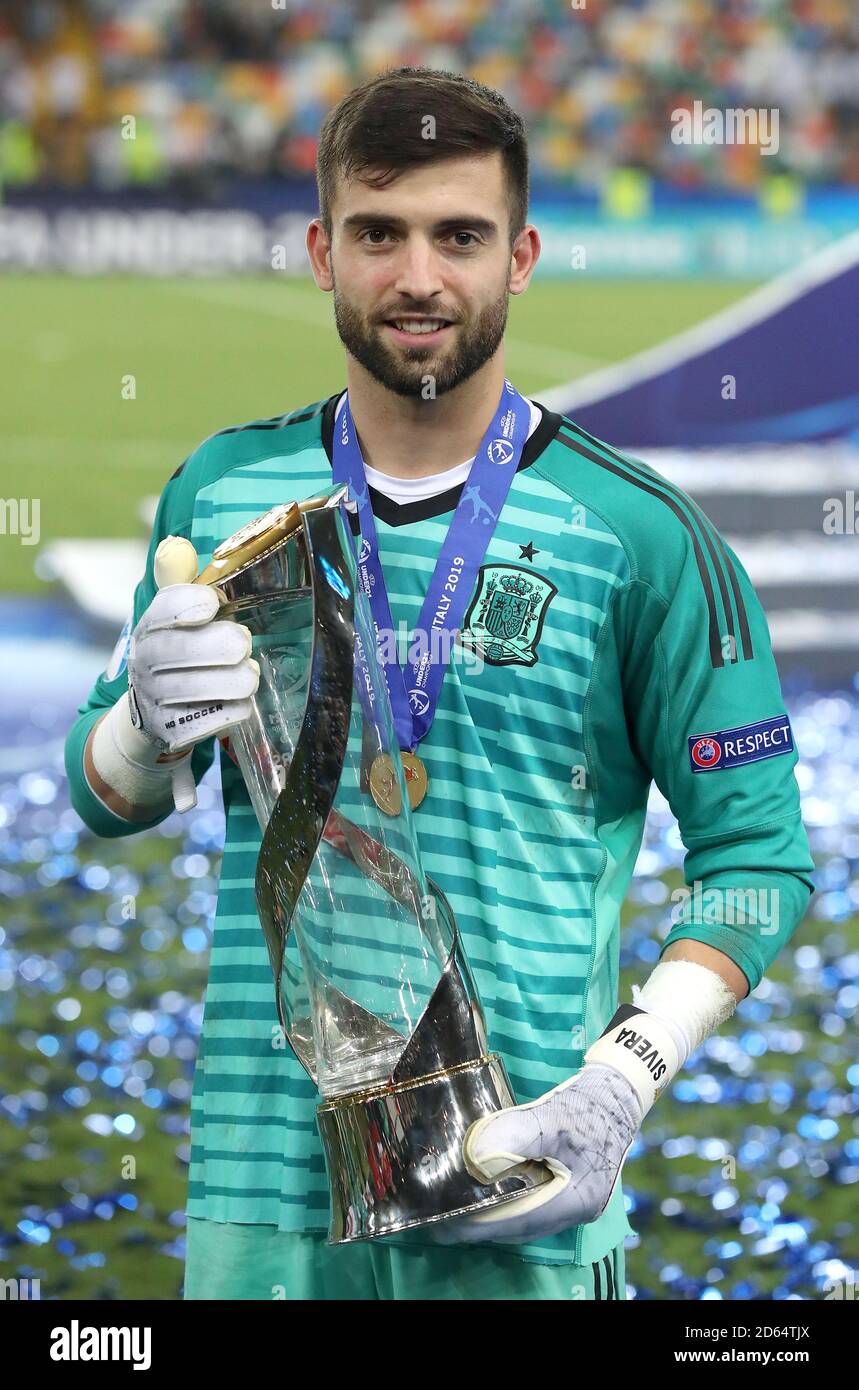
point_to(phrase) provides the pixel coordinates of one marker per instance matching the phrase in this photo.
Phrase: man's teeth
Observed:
(422, 326)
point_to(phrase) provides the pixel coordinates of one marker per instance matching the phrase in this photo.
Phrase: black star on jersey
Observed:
(527, 551)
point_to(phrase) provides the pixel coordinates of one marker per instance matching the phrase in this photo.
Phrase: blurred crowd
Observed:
(189, 94)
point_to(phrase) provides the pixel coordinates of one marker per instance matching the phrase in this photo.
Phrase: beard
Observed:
(404, 370)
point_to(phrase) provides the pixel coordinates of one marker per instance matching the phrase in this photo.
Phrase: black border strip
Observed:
(277, 422)
(748, 651)
(716, 658)
(707, 529)
(607, 1259)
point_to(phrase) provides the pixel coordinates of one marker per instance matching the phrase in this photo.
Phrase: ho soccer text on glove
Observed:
(190, 676)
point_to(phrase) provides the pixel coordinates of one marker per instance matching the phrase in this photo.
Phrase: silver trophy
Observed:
(374, 993)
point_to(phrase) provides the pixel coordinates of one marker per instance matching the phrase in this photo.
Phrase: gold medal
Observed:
(385, 789)
(417, 780)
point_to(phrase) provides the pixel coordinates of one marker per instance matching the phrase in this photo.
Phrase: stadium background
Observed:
(153, 156)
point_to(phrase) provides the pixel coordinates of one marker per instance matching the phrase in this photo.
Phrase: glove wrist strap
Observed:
(129, 762)
(642, 1048)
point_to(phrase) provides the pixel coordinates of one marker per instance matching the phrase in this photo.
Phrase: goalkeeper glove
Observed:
(190, 676)
(584, 1128)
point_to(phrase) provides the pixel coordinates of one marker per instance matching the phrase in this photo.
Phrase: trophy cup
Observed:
(373, 991)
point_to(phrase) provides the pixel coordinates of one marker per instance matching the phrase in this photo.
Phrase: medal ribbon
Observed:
(415, 693)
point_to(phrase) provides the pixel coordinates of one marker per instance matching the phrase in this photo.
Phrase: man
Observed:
(620, 641)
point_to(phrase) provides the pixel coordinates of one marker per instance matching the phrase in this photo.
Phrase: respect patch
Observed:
(748, 743)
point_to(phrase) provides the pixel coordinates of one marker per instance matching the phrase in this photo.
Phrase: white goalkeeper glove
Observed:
(584, 1128)
(190, 676)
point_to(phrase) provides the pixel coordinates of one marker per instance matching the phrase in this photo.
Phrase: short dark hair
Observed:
(378, 130)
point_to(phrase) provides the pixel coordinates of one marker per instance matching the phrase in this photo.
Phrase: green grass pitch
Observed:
(207, 353)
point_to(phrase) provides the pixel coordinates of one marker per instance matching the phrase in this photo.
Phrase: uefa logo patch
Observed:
(705, 752)
(748, 743)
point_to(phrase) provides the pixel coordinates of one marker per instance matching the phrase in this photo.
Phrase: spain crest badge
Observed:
(506, 615)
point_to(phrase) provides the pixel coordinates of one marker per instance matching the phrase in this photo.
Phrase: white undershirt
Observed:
(416, 489)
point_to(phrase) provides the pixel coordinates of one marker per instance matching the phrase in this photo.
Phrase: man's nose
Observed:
(418, 271)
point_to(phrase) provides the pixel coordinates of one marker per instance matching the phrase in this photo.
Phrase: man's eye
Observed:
(471, 238)
(374, 235)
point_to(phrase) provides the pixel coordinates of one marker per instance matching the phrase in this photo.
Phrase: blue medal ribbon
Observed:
(414, 693)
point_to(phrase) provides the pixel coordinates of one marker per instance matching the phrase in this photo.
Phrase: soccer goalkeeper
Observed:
(620, 641)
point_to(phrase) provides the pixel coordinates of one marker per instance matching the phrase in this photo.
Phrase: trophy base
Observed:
(394, 1152)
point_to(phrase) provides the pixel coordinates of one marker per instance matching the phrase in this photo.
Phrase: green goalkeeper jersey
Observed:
(642, 653)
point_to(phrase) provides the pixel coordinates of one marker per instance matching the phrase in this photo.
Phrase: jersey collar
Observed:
(401, 513)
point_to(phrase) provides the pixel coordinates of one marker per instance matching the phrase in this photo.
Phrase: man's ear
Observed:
(318, 245)
(524, 255)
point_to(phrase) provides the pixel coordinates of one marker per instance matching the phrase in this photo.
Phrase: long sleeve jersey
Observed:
(620, 642)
